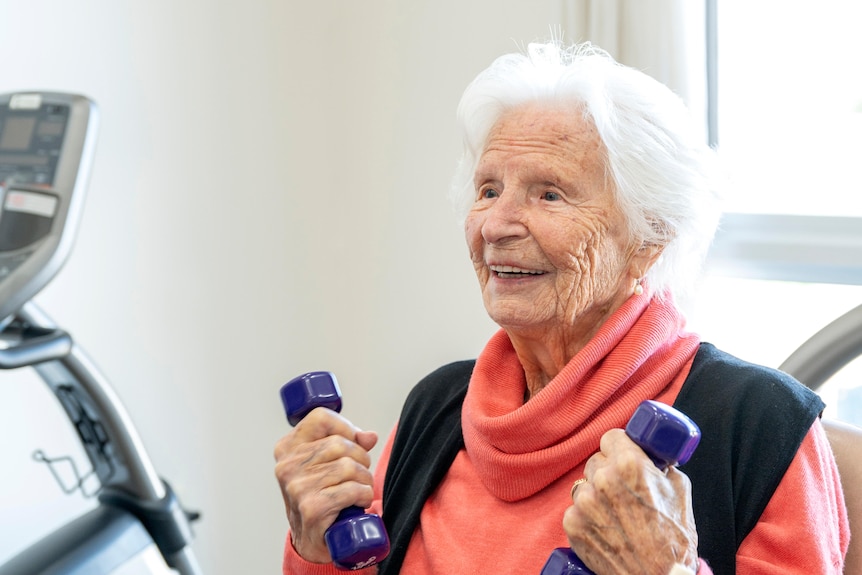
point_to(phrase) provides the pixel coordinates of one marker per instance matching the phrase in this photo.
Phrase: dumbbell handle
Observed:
(667, 436)
(355, 539)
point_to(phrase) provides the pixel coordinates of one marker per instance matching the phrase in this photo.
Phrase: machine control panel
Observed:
(46, 143)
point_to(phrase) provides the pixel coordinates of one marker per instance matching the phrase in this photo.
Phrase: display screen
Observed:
(30, 143)
(17, 134)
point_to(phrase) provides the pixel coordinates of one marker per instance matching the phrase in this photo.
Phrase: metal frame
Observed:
(827, 351)
(816, 249)
(132, 494)
(137, 509)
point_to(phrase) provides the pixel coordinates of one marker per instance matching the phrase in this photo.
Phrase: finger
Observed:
(580, 518)
(577, 484)
(626, 457)
(301, 456)
(332, 486)
(321, 422)
(366, 439)
(611, 443)
(318, 424)
(595, 462)
(615, 441)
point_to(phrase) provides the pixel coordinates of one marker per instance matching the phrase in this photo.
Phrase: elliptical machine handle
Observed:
(37, 345)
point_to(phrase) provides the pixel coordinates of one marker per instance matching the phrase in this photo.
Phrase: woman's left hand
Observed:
(629, 516)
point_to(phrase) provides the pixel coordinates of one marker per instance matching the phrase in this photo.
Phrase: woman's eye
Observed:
(489, 193)
(551, 196)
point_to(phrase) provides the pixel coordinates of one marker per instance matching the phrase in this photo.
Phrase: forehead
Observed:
(554, 136)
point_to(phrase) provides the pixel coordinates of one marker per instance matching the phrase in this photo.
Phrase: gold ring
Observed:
(575, 485)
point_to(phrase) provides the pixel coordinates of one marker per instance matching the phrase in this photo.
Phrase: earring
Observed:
(639, 289)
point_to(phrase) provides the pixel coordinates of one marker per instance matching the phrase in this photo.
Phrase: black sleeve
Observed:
(426, 442)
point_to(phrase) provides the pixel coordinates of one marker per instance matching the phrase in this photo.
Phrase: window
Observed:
(790, 105)
(788, 259)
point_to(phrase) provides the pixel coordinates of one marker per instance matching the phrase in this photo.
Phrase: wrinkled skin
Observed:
(322, 466)
(630, 517)
(548, 243)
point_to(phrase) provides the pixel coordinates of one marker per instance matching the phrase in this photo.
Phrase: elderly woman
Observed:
(590, 202)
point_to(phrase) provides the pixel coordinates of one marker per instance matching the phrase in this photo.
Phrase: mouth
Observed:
(512, 272)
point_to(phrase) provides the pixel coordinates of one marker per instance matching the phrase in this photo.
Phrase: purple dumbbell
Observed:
(668, 436)
(355, 539)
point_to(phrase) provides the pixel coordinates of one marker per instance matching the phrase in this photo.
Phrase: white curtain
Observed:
(664, 38)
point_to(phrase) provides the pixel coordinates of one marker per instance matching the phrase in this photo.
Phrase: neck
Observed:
(545, 349)
(544, 352)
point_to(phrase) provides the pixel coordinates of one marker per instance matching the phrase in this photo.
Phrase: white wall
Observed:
(268, 197)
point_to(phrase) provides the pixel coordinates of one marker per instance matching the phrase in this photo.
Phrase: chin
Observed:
(511, 320)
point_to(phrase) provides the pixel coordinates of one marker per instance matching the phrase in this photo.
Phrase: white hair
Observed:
(665, 177)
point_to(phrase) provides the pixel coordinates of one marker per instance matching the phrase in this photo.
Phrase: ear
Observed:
(644, 258)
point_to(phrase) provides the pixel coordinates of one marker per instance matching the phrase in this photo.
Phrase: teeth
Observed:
(514, 270)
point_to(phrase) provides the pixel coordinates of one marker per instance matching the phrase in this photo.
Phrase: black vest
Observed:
(752, 420)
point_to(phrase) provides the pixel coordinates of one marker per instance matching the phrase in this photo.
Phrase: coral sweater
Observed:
(501, 504)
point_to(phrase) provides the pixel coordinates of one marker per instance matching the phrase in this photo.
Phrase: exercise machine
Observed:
(47, 142)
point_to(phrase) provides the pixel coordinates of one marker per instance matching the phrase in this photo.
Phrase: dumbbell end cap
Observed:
(563, 561)
(307, 391)
(357, 542)
(667, 435)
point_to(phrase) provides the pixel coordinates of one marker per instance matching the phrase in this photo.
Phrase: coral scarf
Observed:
(520, 448)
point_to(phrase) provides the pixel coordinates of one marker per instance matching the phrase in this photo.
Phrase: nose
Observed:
(505, 220)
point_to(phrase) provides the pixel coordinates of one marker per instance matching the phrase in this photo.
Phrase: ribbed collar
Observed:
(519, 448)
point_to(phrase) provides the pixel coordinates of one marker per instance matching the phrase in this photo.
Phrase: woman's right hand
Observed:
(629, 516)
(322, 466)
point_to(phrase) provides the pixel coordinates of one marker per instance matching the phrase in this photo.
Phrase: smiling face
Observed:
(549, 245)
